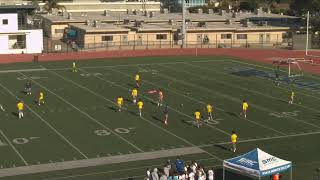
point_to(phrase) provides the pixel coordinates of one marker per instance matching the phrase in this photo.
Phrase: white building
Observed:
(17, 41)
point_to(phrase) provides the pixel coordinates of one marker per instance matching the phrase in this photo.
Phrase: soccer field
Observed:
(78, 133)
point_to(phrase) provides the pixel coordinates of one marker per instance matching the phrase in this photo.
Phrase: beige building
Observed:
(153, 29)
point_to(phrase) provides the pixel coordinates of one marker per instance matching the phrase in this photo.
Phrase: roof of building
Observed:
(101, 27)
(160, 17)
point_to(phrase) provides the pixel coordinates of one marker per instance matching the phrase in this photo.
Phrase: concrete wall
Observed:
(12, 22)
(34, 42)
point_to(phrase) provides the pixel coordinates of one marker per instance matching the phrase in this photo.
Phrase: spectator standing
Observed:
(179, 165)
(154, 174)
(210, 174)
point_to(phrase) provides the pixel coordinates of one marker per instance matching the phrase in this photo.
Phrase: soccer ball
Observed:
(181, 105)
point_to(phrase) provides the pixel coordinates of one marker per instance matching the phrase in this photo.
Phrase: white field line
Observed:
(199, 102)
(84, 113)
(15, 150)
(96, 67)
(255, 65)
(22, 70)
(245, 89)
(237, 61)
(122, 170)
(263, 139)
(234, 99)
(179, 112)
(47, 123)
(155, 125)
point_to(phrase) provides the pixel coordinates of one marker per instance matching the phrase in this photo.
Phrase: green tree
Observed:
(249, 5)
(53, 4)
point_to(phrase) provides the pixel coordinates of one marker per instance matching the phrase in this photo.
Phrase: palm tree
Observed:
(53, 4)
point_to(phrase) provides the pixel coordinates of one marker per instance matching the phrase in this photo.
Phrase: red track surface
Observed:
(259, 55)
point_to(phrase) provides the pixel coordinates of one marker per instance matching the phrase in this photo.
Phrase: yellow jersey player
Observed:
(20, 107)
(74, 67)
(234, 138)
(197, 116)
(134, 94)
(140, 107)
(291, 97)
(137, 78)
(160, 98)
(41, 98)
(209, 110)
(244, 109)
(120, 102)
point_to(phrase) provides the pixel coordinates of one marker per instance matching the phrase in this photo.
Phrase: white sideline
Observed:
(31, 169)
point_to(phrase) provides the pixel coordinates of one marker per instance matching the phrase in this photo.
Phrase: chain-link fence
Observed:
(122, 42)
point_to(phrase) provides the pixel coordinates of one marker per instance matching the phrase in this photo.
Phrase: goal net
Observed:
(295, 65)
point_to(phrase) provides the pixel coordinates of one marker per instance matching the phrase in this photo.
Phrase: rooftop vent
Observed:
(200, 11)
(229, 21)
(151, 14)
(222, 12)
(234, 15)
(96, 23)
(137, 23)
(126, 21)
(129, 11)
(69, 16)
(202, 24)
(165, 11)
(106, 12)
(263, 23)
(88, 22)
(171, 22)
(258, 11)
(245, 22)
(210, 11)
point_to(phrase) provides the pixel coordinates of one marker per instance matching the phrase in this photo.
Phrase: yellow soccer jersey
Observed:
(245, 106)
(234, 138)
(197, 115)
(20, 106)
(41, 95)
(120, 100)
(137, 78)
(292, 94)
(140, 104)
(74, 65)
(134, 93)
(209, 108)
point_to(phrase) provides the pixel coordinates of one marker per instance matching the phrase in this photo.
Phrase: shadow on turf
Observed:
(113, 108)
(156, 118)
(15, 114)
(222, 147)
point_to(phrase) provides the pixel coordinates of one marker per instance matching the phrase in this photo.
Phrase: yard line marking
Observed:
(198, 102)
(246, 89)
(122, 170)
(47, 123)
(262, 139)
(233, 99)
(73, 164)
(22, 70)
(241, 62)
(96, 67)
(177, 111)
(84, 113)
(15, 150)
(150, 122)
(250, 64)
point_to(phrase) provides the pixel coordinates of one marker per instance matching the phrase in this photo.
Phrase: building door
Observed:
(268, 38)
(261, 36)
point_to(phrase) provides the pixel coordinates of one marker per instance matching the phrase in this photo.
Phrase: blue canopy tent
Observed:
(257, 163)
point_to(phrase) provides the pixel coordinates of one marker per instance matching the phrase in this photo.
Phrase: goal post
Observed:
(295, 63)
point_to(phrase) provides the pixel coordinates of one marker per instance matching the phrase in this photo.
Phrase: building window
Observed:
(59, 31)
(17, 41)
(107, 38)
(161, 36)
(5, 21)
(226, 36)
(242, 36)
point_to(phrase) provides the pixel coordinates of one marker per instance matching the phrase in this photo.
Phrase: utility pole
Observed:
(307, 39)
(184, 31)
